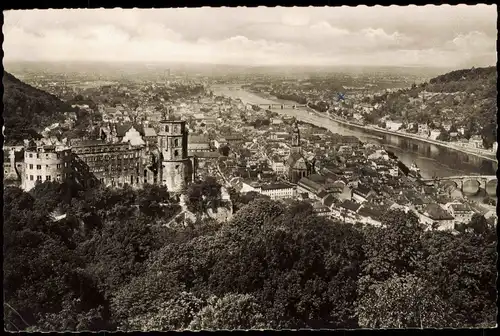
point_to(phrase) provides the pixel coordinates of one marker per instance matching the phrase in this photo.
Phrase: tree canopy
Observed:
(110, 264)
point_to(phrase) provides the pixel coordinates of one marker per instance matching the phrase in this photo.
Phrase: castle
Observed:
(161, 159)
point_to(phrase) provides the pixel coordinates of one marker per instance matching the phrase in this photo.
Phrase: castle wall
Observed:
(176, 167)
(44, 163)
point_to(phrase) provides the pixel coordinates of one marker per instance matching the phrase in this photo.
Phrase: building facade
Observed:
(176, 167)
(44, 163)
(110, 164)
(106, 161)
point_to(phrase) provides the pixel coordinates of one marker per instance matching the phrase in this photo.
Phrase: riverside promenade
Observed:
(444, 144)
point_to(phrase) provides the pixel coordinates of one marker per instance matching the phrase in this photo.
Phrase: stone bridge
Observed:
(470, 184)
(278, 106)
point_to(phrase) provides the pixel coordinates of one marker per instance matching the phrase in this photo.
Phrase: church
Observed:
(297, 165)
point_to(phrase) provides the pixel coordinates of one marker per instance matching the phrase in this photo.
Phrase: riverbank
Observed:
(432, 160)
(413, 137)
(447, 145)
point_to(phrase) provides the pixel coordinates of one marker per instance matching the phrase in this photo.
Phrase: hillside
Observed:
(463, 98)
(28, 110)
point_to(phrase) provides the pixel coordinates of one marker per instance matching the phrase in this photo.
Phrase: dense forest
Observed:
(464, 98)
(28, 110)
(111, 264)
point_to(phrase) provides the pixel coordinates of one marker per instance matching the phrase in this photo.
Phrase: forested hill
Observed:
(27, 110)
(464, 98)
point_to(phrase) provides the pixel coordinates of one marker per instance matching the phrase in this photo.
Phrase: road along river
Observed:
(431, 159)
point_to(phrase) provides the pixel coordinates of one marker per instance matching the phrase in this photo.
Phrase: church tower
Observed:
(176, 169)
(295, 146)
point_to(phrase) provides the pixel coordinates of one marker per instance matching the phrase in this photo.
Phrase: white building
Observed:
(134, 137)
(277, 190)
(393, 125)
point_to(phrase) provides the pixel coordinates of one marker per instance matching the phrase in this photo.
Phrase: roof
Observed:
(460, 207)
(362, 190)
(350, 205)
(369, 212)
(305, 181)
(329, 200)
(83, 143)
(276, 186)
(322, 194)
(198, 139)
(149, 131)
(207, 154)
(301, 163)
(233, 137)
(123, 128)
(317, 206)
(435, 212)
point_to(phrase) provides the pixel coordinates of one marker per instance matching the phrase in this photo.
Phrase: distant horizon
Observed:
(444, 36)
(291, 66)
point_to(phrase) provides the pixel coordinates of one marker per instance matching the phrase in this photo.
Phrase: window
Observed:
(39, 177)
(38, 166)
(58, 155)
(46, 166)
(176, 153)
(48, 177)
(176, 142)
(58, 177)
(166, 128)
(31, 177)
(30, 155)
(37, 155)
(31, 166)
(46, 156)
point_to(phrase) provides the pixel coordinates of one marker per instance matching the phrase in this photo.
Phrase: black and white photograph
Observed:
(250, 168)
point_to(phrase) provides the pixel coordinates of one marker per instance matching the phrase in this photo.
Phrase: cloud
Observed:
(428, 35)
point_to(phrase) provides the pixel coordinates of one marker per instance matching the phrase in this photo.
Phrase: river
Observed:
(431, 159)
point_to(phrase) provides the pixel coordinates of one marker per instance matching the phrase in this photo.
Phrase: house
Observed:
(434, 134)
(476, 141)
(393, 125)
(461, 212)
(362, 193)
(277, 190)
(346, 211)
(277, 165)
(311, 185)
(150, 136)
(198, 143)
(321, 209)
(370, 216)
(234, 139)
(220, 142)
(423, 129)
(279, 136)
(436, 217)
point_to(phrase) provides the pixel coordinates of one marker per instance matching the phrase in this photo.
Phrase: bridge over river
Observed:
(469, 184)
(272, 107)
(432, 158)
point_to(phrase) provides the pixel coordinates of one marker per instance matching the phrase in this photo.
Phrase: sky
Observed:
(434, 36)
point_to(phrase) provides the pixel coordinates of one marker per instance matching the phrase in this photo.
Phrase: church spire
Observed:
(295, 138)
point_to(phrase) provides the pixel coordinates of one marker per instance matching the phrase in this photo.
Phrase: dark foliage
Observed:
(28, 110)
(108, 266)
